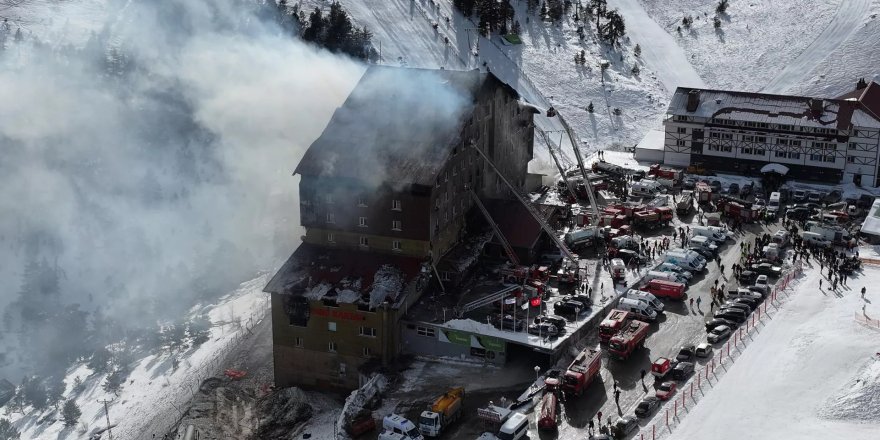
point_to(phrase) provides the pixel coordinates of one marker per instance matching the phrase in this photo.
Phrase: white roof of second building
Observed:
(871, 225)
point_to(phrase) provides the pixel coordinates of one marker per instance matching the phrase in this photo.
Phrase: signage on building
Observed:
(494, 344)
(339, 314)
(458, 337)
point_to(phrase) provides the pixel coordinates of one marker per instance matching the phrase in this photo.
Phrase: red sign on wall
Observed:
(339, 314)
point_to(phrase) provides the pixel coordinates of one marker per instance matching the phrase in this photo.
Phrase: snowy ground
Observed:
(154, 393)
(812, 372)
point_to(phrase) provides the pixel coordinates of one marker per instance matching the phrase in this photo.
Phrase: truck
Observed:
(685, 202)
(581, 372)
(548, 417)
(519, 274)
(616, 320)
(665, 289)
(618, 269)
(660, 172)
(443, 412)
(653, 218)
(628, 340)
(625, 242)
(581, 237)
(834, 234)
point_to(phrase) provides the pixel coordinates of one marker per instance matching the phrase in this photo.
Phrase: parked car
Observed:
(718, 334)
(666, 390)
(736, 316)
(647, 406)
(833, 197)
(715, 322)
(762, 280)
(736, 306)
(703, 350)
(766, 269)
(558, 321)
(799, 195)
(747, 277)
(624, 426)
(705, 253)
(508, 323)
(750, 302)
(733, 189)
(688, 183)
(686, 353)
(569, 309)
(543, 329)
(814, 197)
(628, 255)
(716, 185)
(585, 301)
(683, 370)
(798, 213)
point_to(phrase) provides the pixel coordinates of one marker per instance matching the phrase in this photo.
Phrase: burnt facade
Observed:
(388, 184)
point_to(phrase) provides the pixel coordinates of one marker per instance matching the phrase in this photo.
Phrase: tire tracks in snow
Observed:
(850, 13)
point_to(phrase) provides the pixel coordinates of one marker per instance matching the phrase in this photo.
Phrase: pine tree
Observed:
(517, 29)
(531, 6)
(70, 413)
(717, 22)
(635, 70)
(543, 12)
(315, 31)
(100, 360)
(590, 107)
(600, 6)
(637, 51)
(198, 330)
(55, 391)
(583, 57)
(722, 7)
(615, 28)
(35, 393)
(114, 381)
(8, 431)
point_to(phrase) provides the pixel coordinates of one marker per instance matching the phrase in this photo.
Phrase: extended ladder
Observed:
(556, 155)
(486, 300)
(580, 160)
(534, 212)
(507, 248)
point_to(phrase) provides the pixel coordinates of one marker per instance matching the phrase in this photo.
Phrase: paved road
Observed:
(660, 51)
(680, 326)
(849, 16)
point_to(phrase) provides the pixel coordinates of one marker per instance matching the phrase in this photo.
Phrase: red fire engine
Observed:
(583, 369)
(630, 338)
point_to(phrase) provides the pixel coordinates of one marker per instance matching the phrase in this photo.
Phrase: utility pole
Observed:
(107, 414)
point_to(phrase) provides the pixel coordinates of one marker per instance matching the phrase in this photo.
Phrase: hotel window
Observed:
(761, 139)
(331, 218)
(852, 145)
(331, 347)
(331, 238)
(828, 158)
(682, 130)
(851, 159)
(368, 331)
(395, 245)
(747, 138)
(395, 205)
(364, 241)
(680, 143)
(395, 225)
(426, 331)
(367, 352)
(362, 222)
(299, 342)
(816, 157)
(331, 326)
(362, 202)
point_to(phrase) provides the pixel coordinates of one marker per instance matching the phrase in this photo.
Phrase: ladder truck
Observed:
(534, 212)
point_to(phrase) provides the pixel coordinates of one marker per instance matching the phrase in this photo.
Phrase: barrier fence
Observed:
(706, 377)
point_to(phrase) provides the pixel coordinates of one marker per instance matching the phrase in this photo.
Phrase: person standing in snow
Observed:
(699, 299)
(863, 292)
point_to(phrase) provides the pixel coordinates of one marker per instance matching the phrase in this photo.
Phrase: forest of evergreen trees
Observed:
(332, 30)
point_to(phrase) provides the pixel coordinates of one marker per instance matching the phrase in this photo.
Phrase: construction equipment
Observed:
(557, 158)
(534, 212)
(507, 248)
(445, 410)
(580, 161)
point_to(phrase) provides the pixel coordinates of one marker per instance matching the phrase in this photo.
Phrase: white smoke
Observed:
(155, 184)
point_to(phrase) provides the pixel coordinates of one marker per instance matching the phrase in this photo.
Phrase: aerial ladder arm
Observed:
(534, 212)
(507, 248)
(556, 160)
(594, 207)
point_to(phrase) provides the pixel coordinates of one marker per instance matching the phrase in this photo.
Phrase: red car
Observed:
(666, 390)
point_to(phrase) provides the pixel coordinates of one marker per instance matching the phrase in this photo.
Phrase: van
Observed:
(514, 428)
(646, 188)
(780, 237)
(708, 232)
(773, 203)
(685, 259)
(815, 239)
(665, 289)
(704, 242)
(640, 309)
(400, 425)
(646, 297)
(618, 269)
(660, 275)
(669, 267)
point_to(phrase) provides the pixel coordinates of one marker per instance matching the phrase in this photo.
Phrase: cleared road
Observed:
(850, 14)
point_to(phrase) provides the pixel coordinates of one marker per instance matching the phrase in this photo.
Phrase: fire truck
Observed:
(583, 369)
(661, 172)
(653, 218)
(616, 320)
(548, 417)
(518, 274)
(628, 340)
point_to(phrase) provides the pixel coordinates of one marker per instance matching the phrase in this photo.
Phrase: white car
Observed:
(762, 280)
(718, 334)
(703, 350)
